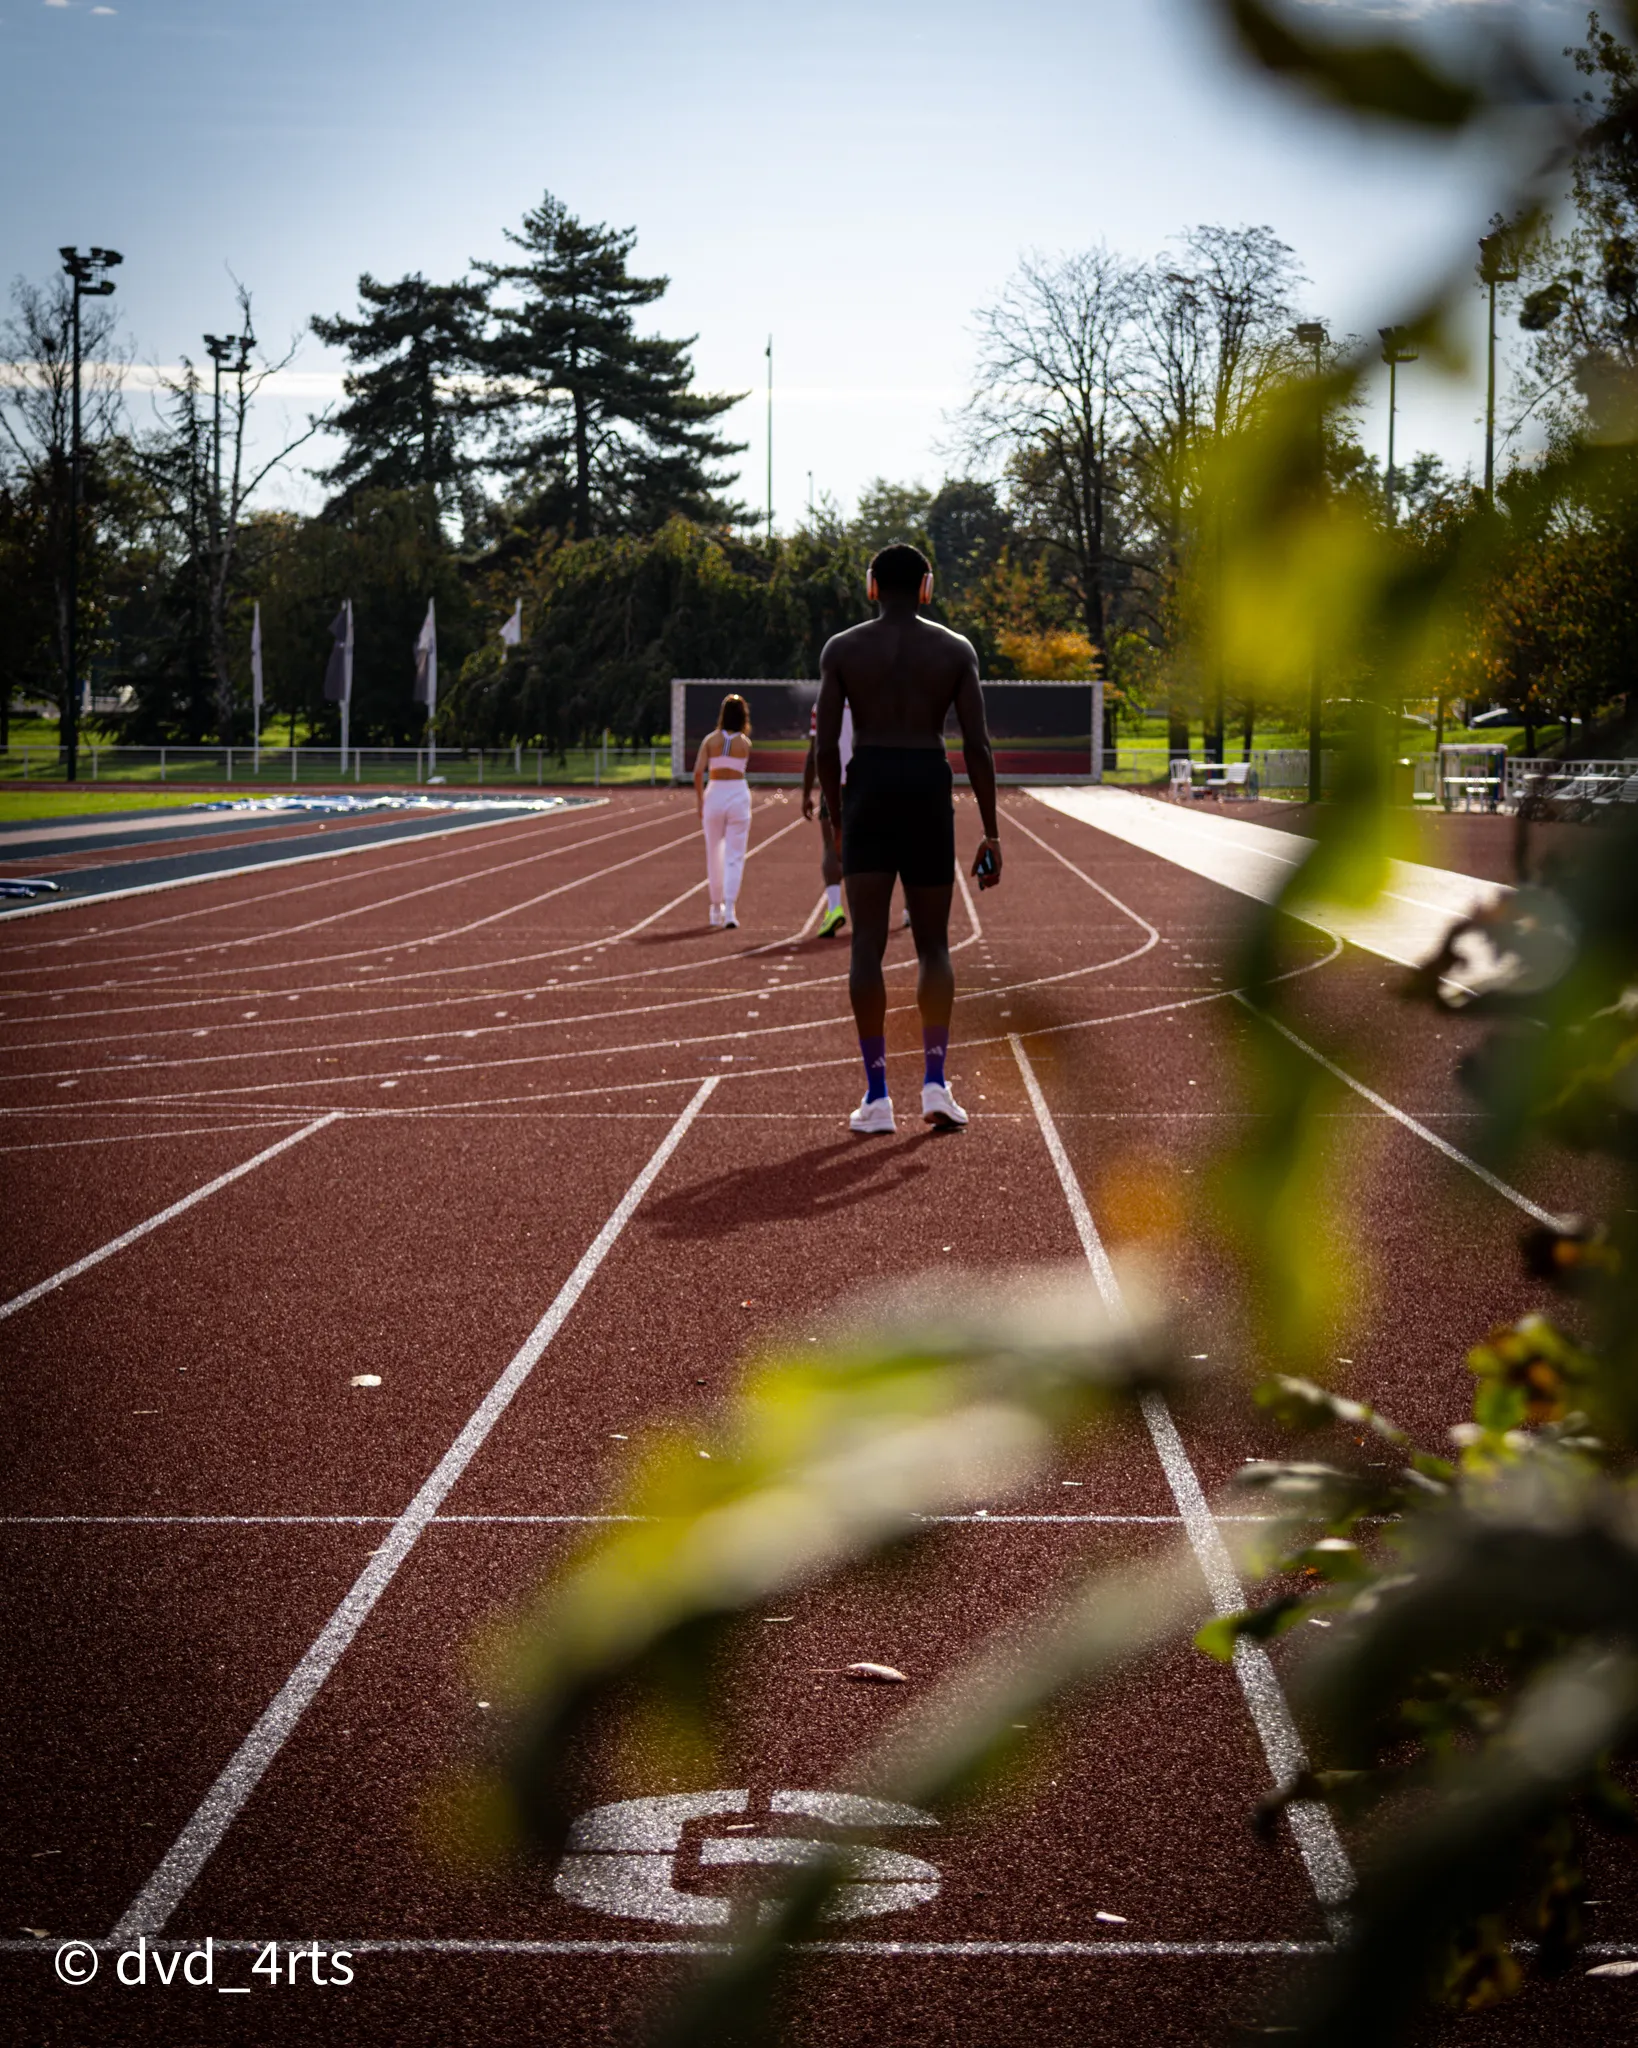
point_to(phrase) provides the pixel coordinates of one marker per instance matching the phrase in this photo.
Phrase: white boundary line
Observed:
(435, 1945)
(216, 1812)
(1401, 1116)
(1329, 1870)
(490, 1521)
(257, 867)
(126, 1237)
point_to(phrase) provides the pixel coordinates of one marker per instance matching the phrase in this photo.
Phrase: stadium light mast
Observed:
(770, 440)
(1396, 349)
(1498, 264)
(91, 281)
(1312, 334)
(222, 350)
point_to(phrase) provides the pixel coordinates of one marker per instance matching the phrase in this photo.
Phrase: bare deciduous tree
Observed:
(37, 422)
(1054, 358)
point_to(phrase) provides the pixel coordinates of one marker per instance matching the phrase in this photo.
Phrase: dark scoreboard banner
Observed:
(1041, 732)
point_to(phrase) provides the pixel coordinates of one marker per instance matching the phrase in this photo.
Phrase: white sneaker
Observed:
(730, 923)
(874, 1119)
(939, 1106)
(716, 918)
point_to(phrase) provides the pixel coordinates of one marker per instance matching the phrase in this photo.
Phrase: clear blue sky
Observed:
(855, 178)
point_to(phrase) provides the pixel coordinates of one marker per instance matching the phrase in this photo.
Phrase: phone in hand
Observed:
(985, 867)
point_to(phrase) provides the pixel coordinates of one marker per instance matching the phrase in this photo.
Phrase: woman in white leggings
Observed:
(724, 802)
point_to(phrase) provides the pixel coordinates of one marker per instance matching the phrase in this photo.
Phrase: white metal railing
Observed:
(1570, 788)
(284, 766)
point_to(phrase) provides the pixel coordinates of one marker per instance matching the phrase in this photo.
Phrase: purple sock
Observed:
(875, 1059)
(935, 1043)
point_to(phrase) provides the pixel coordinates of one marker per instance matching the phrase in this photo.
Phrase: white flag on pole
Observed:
(426, 662)
(512, 632)
(256, 661)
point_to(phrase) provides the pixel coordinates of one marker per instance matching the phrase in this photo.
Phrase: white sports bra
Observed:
(726, 763)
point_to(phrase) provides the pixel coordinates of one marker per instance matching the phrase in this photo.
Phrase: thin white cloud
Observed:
(56, 3)
(105, 10)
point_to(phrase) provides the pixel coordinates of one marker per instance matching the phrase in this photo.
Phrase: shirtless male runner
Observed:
(899, 675)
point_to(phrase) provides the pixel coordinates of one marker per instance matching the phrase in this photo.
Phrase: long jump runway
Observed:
(360, 1222)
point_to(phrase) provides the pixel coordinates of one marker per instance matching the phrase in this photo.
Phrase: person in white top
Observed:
(723, 798)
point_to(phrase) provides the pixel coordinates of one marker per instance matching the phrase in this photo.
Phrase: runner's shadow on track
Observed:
(794, 1190)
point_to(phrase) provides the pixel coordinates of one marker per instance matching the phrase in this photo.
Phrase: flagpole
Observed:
(770, 439)
(256, 693)
(346, 690)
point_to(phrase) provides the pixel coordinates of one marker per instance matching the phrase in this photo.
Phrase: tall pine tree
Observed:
(597, 423)
(402, 419)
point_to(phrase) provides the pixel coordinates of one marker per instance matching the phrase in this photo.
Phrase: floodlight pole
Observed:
(1498, 264)
(90, 282)
(1396, 349)
(219, 347)
(1311, 333)
(770, 440)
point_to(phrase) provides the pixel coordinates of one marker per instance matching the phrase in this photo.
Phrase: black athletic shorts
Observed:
(898, 816)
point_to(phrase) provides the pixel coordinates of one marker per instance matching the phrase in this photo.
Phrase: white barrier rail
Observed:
(269, 766)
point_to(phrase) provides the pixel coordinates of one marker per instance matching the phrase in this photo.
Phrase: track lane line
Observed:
(387, 869)
(294, 860)
(138, 1137)
(1329, 1870)
(129, 1237)
(1492, 1181)
(435, 1945)
(188, 1854)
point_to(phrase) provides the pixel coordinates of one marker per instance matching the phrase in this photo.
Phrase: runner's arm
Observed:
(975, 749)
(810, 770)
(699, 778)
(827, 742)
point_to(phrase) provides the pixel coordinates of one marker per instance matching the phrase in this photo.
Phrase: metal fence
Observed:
(1569, 789)
(284, 767)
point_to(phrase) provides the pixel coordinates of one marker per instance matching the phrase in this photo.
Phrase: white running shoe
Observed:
(730, 923)
(716, 918)
(874, 1119)
(939, 1106)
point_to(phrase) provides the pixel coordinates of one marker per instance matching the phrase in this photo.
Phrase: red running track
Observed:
(545, 1123)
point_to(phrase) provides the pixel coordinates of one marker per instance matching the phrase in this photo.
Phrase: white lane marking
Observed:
(216, 1812)
(128, 1237)
(135, 1137)
(202, 1001)
(1400, 1116)
(1329, 1870)
(281, 933)
(1108, 895)
(605, 1051)
(187, 1101)
(487, 1521)
(232, 874)
(435, 1945)
(387, 870)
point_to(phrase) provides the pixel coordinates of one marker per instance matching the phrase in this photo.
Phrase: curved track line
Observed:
(189, 949)
(294, 860)
(443, 967)
(375, 907)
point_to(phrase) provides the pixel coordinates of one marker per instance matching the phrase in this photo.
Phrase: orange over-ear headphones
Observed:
(923, 596)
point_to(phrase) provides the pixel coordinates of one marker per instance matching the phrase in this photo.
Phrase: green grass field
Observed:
(18, 805)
